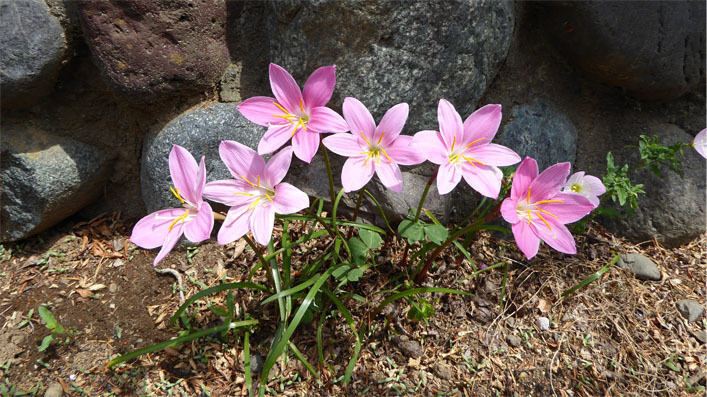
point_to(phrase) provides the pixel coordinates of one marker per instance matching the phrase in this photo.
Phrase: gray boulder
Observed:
(641, 267)
(541, 131)
(200, 132)
(45, 179)
(654, 49)
(388, 52)
(33, 46)
(673, 208)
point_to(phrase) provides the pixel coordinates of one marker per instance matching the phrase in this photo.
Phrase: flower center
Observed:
(455, 156)
(299, 119)
(374, 150)
(260, 192)
(526, 210)
(577, 188)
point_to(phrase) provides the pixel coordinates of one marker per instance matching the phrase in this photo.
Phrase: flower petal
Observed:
(151, 231)
(484, 179)
(483, 123)
(200, 182)
(261, 110)
(235, 226)
(392, 123)
(509, 210)
(572, 208)
(556, 236)
(229, 191)
(344, 144)
(288, 199)
(169, 242)
(242, 161)
(358, 118)
(305, 145)
(323, 119)
(430, 144)
(493, 154)
(184, 169)
(390, 175)
(448, 177)
(527, 241)
(593, 186)
(549, 182)
(285, 88)
(261, 223)
(356, 173)
(403, 151)
(700, 143)
(277, 166)
(275, 138)
(526, 172)
(450, 123)
(199, 228)
(319, 86)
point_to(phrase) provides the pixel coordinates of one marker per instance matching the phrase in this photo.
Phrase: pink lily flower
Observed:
(700, 143)
(588, 186)
(294, 114)
(538, 210)
(465, 150)
(195, 220)
(256, 194)
(373, 149)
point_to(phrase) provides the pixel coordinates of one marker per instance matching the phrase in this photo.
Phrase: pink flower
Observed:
(588, 186)
(373, 149)
(537, 210)
(195, 220)
(256, 194)
(700, 143)
(465, 150)
(294, 114)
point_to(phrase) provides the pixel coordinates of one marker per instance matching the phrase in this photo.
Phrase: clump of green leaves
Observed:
(619, 186)
(57, 330)
(654, 154)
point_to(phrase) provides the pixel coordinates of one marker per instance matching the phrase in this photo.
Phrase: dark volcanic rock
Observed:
(654, 49)
(389, 52)
(33, 45)
(200, 132)
(154, 47)
(45, 179)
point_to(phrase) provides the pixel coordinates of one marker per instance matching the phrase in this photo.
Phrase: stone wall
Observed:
(95, 93)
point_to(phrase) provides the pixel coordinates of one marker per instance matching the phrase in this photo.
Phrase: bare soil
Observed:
(618, 336)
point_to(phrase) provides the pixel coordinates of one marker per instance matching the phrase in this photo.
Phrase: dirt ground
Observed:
(618, 336)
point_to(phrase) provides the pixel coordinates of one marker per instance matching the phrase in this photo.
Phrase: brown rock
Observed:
(157, 47)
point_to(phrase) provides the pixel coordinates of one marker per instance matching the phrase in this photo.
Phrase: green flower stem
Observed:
(329, 175)
(260, 257)
(355, 213)
(424, 196)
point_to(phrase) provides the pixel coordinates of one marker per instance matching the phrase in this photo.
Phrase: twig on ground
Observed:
(179, 281)
(552, 362)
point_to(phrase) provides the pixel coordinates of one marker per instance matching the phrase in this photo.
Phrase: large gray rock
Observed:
(642, 267)
(33, 45)
(673, 208)
(540, 131)
(389, 52)
(200, 132)
(45, 179)
(654, 49)
(151, 48)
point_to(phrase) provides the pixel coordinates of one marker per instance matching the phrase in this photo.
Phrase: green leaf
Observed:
(591, 278)
(415, 291)
(436, 233)
(412, 231)
(46, 342)
(359, 250)
(372, 239)
(291, 291)
(354, 274)
(340, 272)
(215, 290)
(218, 311)
(47, 316)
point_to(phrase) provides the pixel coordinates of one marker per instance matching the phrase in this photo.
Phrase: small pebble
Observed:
(442, 370)
(514, 340)
(112, 288)
(54, 390)
(543, 323)
(410, 348)
(642, 267)
(118, 244)
(700, 335)
(690, 309)
(118, 263)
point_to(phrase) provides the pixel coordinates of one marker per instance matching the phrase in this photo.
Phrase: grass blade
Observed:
(303, 360)
(246, 362)
(291, 291)
(215, 290)
(414, 291)
(380, 209)
(181, 339)
(591, 278)
(352, 324)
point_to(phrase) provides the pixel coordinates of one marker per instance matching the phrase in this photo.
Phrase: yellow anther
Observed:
(254, 204)
(480, 139)
(454, 142)
(178, 219)
(549, 201)
(530, 216)
(175, 191)
(244, 194)
(269, 198)
(546, 213)
(528, 199)
(301, 106)
(249, 182)
(299, 122)
(472, 161)
(381, 138)
(576, 188)
(281, 108)
(453, 158)
(258, 181)
(544, 221)
(364, 138)
(386, 155)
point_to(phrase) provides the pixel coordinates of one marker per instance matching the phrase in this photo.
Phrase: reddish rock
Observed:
(149, 48)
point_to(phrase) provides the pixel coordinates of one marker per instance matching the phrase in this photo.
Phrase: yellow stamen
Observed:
(178, 219)
(300, 105)
(244, 194)
(549, 201)
(453, 158)
(480, 139)
(255, 203)
(249, 182)
(454, 142)
(530, 216)
(528, 199)
(472, 160)
(281, 108)
(287, 117)
(381, 138)
(269, 198)
(546, 213)
(175, 191)
(258, 180)
(386, 155)
(364, 138)
(544, 221)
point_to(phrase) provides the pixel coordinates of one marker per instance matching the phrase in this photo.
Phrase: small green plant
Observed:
(57, 330)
